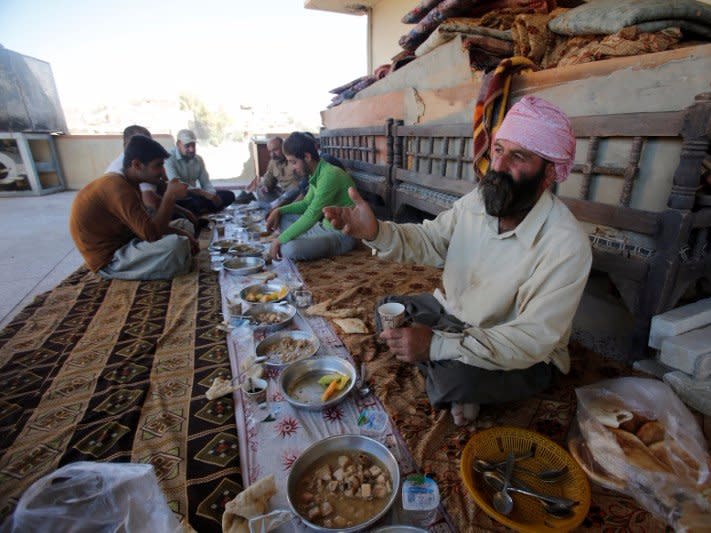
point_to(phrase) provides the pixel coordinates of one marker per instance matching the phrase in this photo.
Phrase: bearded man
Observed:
(515, 265)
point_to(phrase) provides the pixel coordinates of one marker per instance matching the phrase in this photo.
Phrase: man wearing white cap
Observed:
(515, 265)
(185, 165)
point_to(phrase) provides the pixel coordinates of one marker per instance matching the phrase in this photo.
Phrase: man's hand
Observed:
(176, 189)
(275, 249)
(194, 244)
(359, 221)
(410, 345)
(273, 220)
(252, 185)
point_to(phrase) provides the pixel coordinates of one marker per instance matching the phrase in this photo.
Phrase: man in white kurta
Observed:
(515, 265)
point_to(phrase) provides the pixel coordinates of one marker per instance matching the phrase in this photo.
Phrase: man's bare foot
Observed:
(464, 413)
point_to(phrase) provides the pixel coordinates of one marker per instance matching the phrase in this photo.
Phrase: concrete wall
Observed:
(385, 29)
(85, 157)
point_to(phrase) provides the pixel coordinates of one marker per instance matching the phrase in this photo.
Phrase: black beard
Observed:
(505, 197)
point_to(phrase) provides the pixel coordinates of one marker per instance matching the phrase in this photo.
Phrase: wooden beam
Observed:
(438, 183)
(624, 218)
(663, 124)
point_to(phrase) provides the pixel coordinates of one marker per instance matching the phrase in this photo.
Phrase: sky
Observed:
(230, 53)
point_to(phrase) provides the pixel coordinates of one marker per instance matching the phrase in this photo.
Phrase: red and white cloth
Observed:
(541, 127)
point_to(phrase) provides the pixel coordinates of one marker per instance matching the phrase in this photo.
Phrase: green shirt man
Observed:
(328, 186)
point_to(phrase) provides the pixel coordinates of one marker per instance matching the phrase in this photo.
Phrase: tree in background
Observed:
(208, 125)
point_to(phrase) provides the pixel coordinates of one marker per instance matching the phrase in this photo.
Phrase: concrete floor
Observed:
(36, 250)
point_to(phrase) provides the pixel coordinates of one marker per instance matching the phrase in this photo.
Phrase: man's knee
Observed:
(293, 249)
(226, 197)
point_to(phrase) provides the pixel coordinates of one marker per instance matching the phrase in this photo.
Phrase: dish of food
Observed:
(287, 347)
(342, 489)
(244, 250)
(264, 293)
(343, 483)
(304, 383)
(243, 265)
(219, 218)
(223, 245)
(271, 316)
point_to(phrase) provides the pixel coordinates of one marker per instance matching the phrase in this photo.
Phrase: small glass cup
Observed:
(302, 297)
(216, 261)
(220, 231)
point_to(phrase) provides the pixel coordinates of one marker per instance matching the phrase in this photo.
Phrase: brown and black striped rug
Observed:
(117, 371)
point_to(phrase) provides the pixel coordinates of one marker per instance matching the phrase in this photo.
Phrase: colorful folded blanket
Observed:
(610, 16)
(626, 42)
(419, 12)
(465, 27)
(491, 107)
(460, 8)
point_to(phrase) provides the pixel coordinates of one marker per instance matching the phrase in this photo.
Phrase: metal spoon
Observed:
(503, 502)
(555, 505)
(551, 475)
(364, 389)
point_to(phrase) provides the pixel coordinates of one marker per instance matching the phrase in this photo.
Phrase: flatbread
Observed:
(610, 415)
(250, 503)
(665, 449)
(351, 325)
(263, 276)
(220, 387)
(651, 432)
(318, 308)
(637, 452)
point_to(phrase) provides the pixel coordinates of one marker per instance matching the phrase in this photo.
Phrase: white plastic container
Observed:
(420, 499)
(373, 423)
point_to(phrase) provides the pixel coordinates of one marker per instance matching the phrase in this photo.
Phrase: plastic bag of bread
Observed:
(639, 438)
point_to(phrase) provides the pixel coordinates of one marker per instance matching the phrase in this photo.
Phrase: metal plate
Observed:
(282, 307)
(299, 382)
(219, 218)
(260, 289)
(345, 443)
(243, 265)
(223, 245)
(247, 250)
(264, 347)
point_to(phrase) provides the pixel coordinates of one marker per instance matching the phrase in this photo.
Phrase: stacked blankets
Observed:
(350, 89)
(553, 37)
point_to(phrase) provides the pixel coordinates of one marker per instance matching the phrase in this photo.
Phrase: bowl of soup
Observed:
(343, 483)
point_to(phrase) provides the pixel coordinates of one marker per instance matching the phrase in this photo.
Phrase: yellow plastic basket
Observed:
(493, 445)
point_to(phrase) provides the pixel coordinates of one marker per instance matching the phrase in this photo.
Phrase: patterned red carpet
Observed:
(117, 371)
(359, 280)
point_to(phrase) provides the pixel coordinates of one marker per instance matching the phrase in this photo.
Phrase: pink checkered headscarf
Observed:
(541, 127)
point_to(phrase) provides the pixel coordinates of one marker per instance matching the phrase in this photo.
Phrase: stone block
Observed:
(684, 351)
(695, 393)
(653, 367)
(679, 320)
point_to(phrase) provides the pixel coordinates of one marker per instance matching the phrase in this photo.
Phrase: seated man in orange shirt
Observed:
(114, 232)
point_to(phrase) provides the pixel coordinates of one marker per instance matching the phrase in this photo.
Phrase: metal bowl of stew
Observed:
(309, 461)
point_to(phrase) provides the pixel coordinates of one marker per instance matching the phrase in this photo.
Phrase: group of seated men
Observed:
(515, 261)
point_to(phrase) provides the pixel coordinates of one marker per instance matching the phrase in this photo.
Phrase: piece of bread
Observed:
(664, 450)
(220, 387)
(351, 325)
(610, 415)
(250, 503)
(263, 276)
(637, 452)
(634, 423)
(651, 432)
